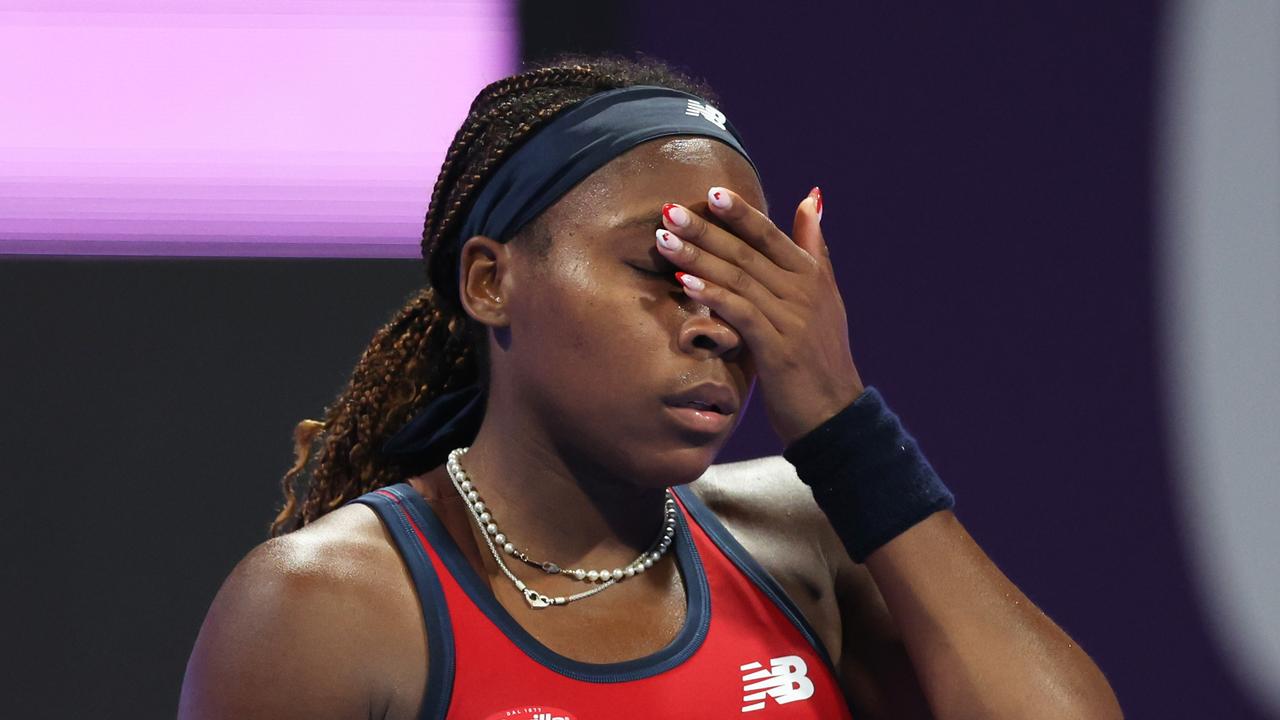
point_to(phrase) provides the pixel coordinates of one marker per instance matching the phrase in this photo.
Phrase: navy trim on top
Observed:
(729, 545)
(440, 657)
(687, 641)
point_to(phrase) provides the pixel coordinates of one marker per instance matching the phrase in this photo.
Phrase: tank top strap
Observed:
(475, 608)
(750, 567)
(405, 525)
(756, 653)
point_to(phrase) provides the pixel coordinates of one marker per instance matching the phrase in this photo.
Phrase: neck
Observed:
(557, 504)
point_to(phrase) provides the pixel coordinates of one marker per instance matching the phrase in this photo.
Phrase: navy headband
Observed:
(571, 146)
(581, 140)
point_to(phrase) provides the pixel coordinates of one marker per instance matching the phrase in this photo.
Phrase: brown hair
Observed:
(431, 346)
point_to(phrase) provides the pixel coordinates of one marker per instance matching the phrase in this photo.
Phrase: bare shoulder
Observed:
(309, 624)
(772, 514)
(766, 495)
(766, 488)
(330, 548)
(762, 501)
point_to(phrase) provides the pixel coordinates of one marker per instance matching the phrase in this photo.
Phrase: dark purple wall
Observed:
(987, 176)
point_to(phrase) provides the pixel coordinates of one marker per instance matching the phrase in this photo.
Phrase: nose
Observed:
(704, 334)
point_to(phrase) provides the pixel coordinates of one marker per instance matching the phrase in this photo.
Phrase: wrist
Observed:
(867, 474)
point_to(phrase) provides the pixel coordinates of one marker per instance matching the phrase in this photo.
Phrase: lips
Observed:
(703, 423)
(706, 397)
(699, 405)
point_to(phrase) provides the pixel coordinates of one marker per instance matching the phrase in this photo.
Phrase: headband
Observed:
(572, 145)
(581, 140)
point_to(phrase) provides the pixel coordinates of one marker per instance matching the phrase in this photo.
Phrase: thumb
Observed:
(806, 230)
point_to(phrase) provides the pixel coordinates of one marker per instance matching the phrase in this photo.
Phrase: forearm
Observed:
(981, 649)
(978, 646)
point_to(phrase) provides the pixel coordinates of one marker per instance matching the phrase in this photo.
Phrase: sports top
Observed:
(744, 650)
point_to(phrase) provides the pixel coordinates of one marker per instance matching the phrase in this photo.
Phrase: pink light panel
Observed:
(298, 128)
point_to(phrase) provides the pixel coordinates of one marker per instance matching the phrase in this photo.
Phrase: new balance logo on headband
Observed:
(708, 113)
(785, 681)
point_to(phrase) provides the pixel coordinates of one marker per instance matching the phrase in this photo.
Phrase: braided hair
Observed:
(431, 346)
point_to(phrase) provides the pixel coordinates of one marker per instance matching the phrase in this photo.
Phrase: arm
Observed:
(279, 641)
(981, 649)
(875, 669)
(978, 646)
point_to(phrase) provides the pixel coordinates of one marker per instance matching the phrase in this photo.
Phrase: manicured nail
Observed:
(816, 192)
(675, 214)
(693, 282)
(719, 198)
(669, 241)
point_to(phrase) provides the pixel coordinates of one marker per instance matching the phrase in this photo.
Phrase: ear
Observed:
(484, 270)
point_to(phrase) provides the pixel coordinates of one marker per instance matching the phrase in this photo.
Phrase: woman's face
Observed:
(600, 338)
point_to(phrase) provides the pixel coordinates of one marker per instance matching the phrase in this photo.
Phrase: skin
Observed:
(323, 622)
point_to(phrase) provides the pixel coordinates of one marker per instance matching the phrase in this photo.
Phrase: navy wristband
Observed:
(868, 475)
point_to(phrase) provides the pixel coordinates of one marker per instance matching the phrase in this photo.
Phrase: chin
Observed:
(656, 457)
(683, 465)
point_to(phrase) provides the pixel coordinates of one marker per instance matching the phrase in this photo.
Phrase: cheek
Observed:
(574, 274)
(597, 328)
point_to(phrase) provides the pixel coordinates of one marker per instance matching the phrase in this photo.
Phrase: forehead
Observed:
(633, 186)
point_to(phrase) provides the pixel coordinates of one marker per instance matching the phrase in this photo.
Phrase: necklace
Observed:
(495, 538)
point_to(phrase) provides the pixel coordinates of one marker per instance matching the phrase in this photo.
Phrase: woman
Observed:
(488, 532)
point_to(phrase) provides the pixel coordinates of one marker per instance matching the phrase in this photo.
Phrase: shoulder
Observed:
(772, 514)
(765, 495)
(760, 485)
(306, 625)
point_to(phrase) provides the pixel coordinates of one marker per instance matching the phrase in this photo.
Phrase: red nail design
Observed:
(693, 282)
(816, 192)
(718, 197)
(666, 212)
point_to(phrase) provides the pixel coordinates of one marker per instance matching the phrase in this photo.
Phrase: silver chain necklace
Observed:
(495, 538)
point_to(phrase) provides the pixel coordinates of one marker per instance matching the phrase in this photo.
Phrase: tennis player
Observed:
(513, 509)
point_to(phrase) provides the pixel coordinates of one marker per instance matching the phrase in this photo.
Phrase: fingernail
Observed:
(816, 192)
(669, 241)
(719, 198)
(693, 282)
(675, 214)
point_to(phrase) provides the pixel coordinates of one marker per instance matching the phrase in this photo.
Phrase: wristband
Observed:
(868, 475)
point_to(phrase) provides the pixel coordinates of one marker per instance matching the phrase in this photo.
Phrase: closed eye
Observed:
(668, 272)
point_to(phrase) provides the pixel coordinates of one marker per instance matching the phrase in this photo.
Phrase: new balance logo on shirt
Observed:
(785, 680)
(708, 113)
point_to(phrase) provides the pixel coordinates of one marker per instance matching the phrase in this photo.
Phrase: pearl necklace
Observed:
(495, 538)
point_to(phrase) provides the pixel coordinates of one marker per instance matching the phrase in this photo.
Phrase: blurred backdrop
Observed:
(1055, 225)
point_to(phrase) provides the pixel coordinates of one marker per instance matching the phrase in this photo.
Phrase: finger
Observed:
(745, 316)
(707, 266)
(806, 229)
(693, 228)
(758, 230)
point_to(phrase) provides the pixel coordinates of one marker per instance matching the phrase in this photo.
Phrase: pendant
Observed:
(535, 598)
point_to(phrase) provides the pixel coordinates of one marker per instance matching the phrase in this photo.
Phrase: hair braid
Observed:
(430, 346)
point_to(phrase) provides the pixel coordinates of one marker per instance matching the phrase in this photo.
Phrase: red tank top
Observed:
(744, 651)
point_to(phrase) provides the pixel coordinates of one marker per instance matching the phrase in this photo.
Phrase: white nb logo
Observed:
(708, 113)
(785, 681)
